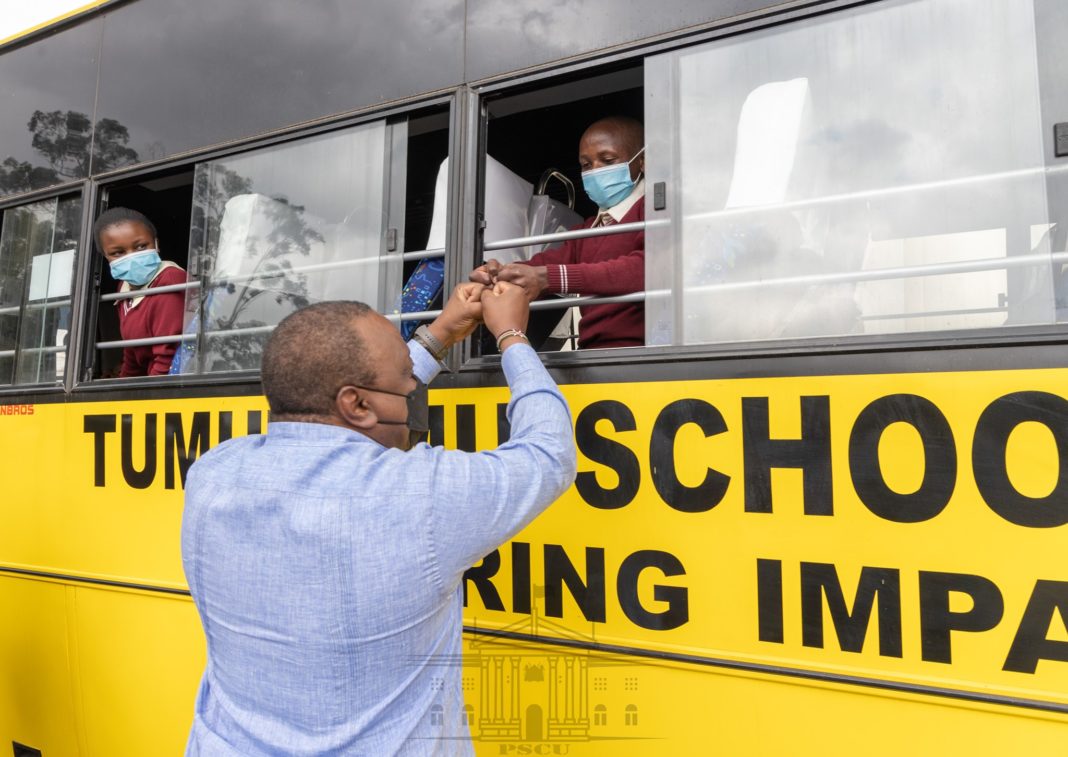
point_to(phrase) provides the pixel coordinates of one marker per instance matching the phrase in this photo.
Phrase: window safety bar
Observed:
(563, 236)
(146, 342)
(195, 284)
(249, 331)
(423, 254)
(556, 303)
(870, 194)
(16, 309)
(36, 350)
(134, 293)
(415, 315)
(154, 340)
(316, 267)
(924, 313)
(881, 274)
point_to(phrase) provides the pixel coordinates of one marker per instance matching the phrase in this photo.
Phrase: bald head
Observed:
(627, 133)
(311, 354)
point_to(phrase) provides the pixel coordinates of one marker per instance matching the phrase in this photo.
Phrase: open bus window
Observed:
(166, 200)
(533, 183)
(38, 247)
(815, 191)
(426, 193)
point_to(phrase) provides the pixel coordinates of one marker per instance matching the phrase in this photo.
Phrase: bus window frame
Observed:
(100, 185)
(594, 64)
(80, 189)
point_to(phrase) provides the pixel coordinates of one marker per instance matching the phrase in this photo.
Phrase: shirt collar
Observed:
(623, 207)
(309, 431)
(132, 302)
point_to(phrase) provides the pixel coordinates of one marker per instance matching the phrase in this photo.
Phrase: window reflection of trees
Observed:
(63, 139)
(265, 286)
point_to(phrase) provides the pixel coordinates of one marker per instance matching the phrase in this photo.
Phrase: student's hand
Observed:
(531, 278)
(486, 274)
(505, 308)
(461, 314)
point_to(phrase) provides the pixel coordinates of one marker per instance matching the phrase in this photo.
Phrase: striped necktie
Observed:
(604, 219)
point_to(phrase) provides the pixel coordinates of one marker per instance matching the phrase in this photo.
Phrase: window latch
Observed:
(660, 195)
(1060, 140)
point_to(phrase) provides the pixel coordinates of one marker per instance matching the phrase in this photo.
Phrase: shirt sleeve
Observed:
(426, 368)
(565, 253)
(480, 500)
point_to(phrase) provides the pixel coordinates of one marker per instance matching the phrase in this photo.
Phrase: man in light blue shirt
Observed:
(326, 557)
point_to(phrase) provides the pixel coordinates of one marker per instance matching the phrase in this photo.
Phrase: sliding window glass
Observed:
(873, 171)
(38, 245)
(283, 227)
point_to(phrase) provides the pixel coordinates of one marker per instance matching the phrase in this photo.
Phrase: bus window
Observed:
(860, 174)
(38, 246)
(533, 185)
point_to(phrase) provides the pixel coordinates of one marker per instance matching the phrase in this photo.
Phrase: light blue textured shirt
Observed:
(327, 568)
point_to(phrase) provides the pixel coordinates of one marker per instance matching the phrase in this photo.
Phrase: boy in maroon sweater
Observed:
(612, 170)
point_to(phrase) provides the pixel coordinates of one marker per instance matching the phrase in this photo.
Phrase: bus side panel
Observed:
(94, 489)
(140, 658)
(36, 700)
(540, 699)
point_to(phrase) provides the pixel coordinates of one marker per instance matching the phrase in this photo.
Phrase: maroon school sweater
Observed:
(602, 266)
(156, 315)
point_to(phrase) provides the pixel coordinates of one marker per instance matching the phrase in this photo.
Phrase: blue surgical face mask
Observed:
(418, 420)
(137, 267)
(609, 185)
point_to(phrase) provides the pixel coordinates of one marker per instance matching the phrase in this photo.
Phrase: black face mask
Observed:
(418, 421)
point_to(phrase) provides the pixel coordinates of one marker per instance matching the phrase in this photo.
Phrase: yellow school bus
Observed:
(822, 510)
